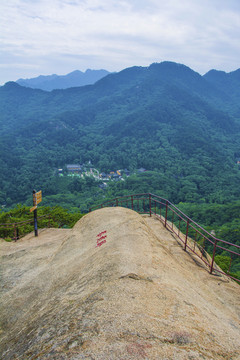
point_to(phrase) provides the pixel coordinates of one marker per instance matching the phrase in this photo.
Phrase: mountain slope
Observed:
(229, 85)
(165, 118)
(138, 295)
(73, 79)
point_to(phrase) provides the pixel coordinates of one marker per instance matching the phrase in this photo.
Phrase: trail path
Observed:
(116, 286)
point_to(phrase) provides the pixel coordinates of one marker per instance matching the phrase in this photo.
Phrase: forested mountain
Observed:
(229, 82)
(182, 127)
(73, 79)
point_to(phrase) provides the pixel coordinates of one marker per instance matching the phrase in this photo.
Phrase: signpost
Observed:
(37, 198)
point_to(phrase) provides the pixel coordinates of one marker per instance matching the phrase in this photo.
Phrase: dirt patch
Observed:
(116, 286)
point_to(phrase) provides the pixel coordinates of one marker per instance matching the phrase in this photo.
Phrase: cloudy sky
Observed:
(59, 36)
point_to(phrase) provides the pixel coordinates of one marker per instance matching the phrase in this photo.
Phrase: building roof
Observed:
(73, 166)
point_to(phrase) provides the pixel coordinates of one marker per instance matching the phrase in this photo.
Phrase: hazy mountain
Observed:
(73, 79)
(166, 118)
(228, 83)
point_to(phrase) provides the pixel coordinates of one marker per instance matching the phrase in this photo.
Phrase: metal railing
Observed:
(192, 236)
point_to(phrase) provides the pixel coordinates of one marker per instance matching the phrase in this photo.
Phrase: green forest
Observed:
(165, 118)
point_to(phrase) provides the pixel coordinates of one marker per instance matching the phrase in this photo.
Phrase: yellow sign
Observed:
(33, 208)
(37, 197)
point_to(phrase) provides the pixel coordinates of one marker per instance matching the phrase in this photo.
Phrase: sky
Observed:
(43, 37)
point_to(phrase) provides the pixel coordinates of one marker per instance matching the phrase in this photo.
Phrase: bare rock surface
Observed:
(116, 286)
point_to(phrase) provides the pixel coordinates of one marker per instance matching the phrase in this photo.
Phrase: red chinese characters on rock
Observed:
(101, 238)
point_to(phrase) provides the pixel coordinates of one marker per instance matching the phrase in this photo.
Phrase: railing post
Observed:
(165, 224)
(185, 245)
(132, 202)
(15, 232)
(214, 250)
(116, 201)
(150, 205)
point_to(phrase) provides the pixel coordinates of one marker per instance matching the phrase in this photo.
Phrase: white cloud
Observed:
(118, 33)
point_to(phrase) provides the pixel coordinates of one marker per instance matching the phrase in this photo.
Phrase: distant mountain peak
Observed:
(11, 84)
(169, 65)
(73, 79)
(215, 71)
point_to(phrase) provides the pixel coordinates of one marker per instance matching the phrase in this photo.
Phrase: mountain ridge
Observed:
(72, 79)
